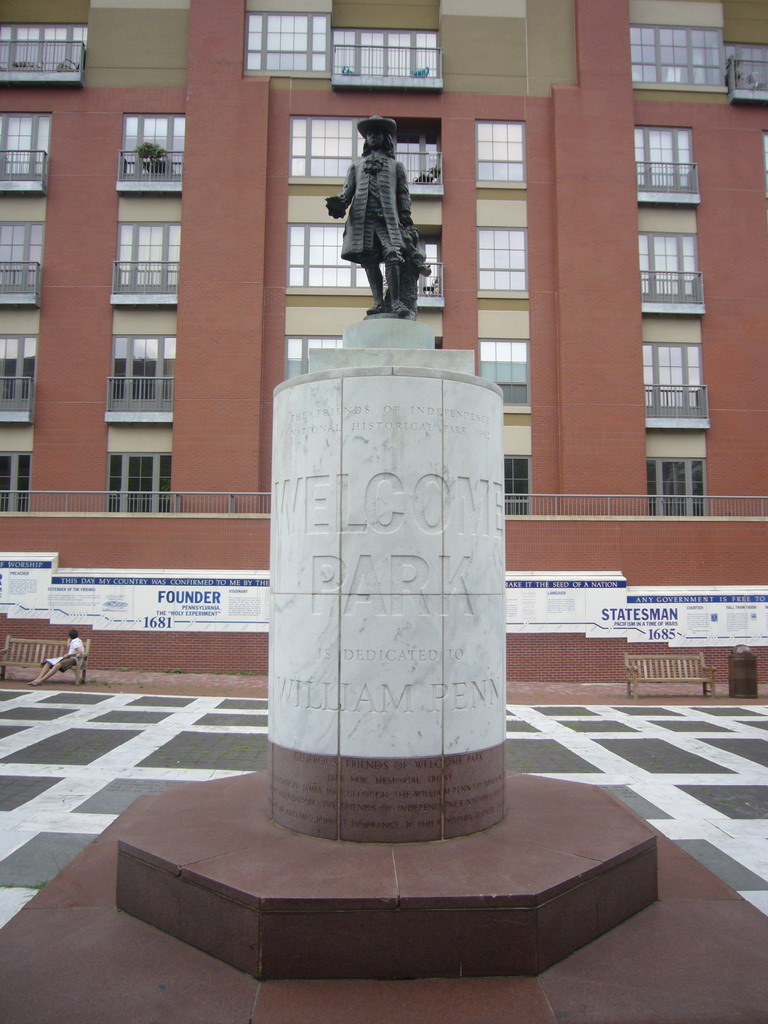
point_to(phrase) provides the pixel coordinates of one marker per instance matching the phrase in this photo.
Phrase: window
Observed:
(142, 374)
(676, 487)
(166, 130)
(315, 259)
(297, 353)
(139, 483)
(501, 259)
(517, 485)
(148, 258)
(664, 162)
(419, 152)
(21, 243)
(765, 150)
(17, 372)
(748, 66)
(287, 42)
(323, 147)
(679, 56)
(386, 54)
(673, 380)
(14, 481)
(21, 251)
(24, 140)
(500, 152)
(506, 364)
(668, 268)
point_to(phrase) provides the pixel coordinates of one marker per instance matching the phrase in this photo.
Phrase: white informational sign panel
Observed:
(562, 602)
(24, 581)
(169, 600)
(706, 617)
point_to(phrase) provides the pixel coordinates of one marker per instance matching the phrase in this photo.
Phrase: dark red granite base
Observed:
(387, 799)
(205, 864)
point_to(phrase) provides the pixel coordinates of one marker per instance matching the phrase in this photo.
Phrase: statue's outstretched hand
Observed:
(336, 207)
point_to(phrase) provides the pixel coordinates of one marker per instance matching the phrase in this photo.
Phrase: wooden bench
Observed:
(669, 668)
(24, 653)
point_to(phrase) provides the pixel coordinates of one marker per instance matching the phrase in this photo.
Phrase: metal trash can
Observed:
(742, 672)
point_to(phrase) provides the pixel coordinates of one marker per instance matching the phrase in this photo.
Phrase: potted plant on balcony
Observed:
(152, 157)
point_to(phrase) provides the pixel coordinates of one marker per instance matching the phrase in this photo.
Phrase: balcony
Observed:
(672, 291)
(144, 283)
(429, 291)
(17, 399)
(23, 172)
(139, 400)
(668, 184)
(423, 172)
(747, 80)
(34, 62)
(141, 176)
(676, 406)
(387, 67)
(19, 283)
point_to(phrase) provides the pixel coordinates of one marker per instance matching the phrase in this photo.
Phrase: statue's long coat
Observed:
(357, 244)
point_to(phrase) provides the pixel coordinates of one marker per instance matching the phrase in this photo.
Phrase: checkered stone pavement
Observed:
(71, 762)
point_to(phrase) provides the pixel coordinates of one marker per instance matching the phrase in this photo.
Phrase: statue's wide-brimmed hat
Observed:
(381, 124)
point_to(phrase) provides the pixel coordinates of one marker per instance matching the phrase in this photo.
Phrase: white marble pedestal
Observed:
(387, 681)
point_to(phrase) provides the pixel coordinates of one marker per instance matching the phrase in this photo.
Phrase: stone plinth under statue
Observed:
(387, 680)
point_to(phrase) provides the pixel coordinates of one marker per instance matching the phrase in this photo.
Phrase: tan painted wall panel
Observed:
(517, 441)
(497, 45)
(513, 324)
(551, 46)
(144, 321)
(701, 13)
(676, 444)
(413, 14)
(151, 211)
(498, 213)
(22, 208)
(139, 47)
(745, 21)
(672, 330)
(15, 438)
(669, 221)
(131, 438)
(60, 12)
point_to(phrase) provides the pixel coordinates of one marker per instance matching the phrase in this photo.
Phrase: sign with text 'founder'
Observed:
(169, 602)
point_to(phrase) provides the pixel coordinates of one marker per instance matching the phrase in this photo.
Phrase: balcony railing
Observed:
(423, 172)
(676, 402)
(387, 67)
(159, 175)
(144, 282)
(219, 503)
(200, 503)
(139, 399)
(601, 506)
(19, 283)
(17, 399)
(747, 80)
(430, 289)
(667, 183)
(672, 291)
(23, 171)
(53, 62)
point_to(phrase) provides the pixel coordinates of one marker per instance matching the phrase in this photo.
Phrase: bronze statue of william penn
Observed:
(379, 228)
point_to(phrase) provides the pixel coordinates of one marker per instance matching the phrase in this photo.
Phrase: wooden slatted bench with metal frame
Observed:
(669, 668)
(22, 652)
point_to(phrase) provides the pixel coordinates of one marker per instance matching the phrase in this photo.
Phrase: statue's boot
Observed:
(398, 307)
(376, 283)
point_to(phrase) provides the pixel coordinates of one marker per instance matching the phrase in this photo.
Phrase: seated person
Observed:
(74, 658)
